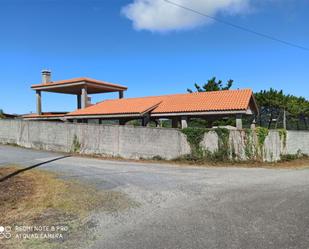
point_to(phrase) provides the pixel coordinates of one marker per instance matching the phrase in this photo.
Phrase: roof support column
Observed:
(184, 122)
(84, 97)
(174, 122)
(122, 122)
(79, 101)
(158, 123)
(38, 102)
(145, 120)
(253, 124)
(239, 121)
(121, 94)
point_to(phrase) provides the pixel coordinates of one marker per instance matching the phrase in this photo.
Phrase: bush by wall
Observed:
(259, 144)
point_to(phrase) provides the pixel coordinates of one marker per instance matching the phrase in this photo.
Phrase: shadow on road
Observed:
(31, 167)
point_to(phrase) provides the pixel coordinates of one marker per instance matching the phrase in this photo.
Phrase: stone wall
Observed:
(297, 141)
(109, 140)
(140, 142)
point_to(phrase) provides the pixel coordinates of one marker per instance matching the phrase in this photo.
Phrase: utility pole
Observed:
(284, 119)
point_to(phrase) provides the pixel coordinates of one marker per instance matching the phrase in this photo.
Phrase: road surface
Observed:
(189, 207)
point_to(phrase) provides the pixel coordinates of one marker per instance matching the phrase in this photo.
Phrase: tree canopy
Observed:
(274, 104)
(212, 85)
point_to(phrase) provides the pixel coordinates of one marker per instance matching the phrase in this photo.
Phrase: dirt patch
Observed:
(38, 198)
(14, 190)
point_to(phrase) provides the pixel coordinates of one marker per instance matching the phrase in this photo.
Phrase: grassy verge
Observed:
(39, 198)
(286, 162)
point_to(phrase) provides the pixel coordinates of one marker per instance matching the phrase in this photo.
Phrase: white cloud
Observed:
(158, 15)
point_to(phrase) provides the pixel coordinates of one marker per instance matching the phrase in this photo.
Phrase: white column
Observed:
(38, 103)
(84, 98)
(239, 121)
(253, 124)
(184, 122)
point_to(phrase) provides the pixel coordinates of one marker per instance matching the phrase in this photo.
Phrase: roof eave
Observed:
(255, 104)
(53, 85)
(106, 116)
(199, 113)
(43, 118)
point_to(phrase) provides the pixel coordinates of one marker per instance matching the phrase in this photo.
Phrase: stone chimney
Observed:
(46, 76)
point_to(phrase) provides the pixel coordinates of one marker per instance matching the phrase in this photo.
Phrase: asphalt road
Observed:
(190, 207)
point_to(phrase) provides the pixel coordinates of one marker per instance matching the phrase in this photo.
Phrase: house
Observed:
(177, 107)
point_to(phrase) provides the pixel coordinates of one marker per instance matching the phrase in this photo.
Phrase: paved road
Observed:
(191, 207)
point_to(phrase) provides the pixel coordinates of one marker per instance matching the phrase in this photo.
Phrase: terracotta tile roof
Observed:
(229, 100)
(206, 101)
(75, 80)
(120, 106)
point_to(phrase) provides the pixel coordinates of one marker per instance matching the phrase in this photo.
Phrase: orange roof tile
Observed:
(228, 100)
(120, 106)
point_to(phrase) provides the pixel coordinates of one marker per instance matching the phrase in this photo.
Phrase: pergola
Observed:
(80, 87)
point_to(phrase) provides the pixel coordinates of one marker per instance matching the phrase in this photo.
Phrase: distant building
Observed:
(7, 116)
(178, 107)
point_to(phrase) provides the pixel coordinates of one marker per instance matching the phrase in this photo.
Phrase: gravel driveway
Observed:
(190, 207)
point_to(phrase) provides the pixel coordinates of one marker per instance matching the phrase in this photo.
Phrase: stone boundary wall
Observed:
(107, 140)
(142, 142)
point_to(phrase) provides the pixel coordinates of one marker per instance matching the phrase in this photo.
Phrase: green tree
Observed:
(274, 105)
(212, 85)
(298, 110)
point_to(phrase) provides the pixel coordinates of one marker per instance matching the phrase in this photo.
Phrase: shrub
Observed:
(76, 145)
(261, 133)
(195, 137)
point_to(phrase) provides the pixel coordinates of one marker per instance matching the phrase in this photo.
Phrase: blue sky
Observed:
(100, 39)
